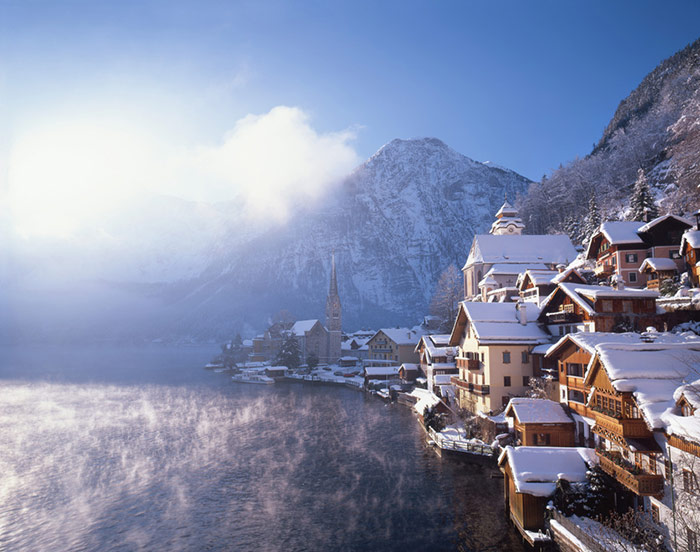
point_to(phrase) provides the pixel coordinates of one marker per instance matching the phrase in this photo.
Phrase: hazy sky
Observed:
(193, 97)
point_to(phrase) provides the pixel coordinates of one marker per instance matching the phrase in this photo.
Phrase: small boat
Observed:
(213, 366)
(253, 378)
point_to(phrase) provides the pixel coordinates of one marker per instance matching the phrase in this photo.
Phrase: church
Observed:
(496, 259)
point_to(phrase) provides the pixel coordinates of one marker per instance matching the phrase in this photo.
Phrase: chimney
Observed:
(696, 214)
(561, 267)
(618, 282)
(521, 312)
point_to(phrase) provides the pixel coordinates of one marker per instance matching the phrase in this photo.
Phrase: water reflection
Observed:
(136, 465)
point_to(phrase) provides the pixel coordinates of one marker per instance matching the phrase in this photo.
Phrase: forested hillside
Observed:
(656, 128)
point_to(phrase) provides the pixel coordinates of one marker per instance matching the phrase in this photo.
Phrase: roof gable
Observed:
(551, 249)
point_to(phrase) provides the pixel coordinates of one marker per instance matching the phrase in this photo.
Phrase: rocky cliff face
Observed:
(395, 224)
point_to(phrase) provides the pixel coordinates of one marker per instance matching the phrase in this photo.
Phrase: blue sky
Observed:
(527, 85)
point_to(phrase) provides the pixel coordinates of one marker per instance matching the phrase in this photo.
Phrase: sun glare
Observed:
(66, 175)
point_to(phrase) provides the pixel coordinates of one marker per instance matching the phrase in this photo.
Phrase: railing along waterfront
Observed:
(445, 443)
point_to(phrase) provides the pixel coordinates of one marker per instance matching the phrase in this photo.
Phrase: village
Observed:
(567, 368)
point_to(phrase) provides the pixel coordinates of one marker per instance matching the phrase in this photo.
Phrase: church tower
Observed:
(333, 317)
(508, 221)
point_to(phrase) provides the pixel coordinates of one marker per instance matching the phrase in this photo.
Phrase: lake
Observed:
(139, 448)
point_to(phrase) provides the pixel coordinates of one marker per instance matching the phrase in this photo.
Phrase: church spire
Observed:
(333, 291)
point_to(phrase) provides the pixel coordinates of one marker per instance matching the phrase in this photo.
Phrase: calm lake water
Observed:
(142, 449)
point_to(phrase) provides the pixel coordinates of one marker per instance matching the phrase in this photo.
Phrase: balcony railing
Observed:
(633, 428)
(561, 316)
(471, 387)
(468, 363)
(603, 270)
(640, 483)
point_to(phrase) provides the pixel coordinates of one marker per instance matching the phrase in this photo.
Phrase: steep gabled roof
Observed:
(616, 233)
(302, 326)
(537, 411)
(585, 295)
(658, 264)
(540, 249)
(402, 336)
(692, 238)
(498, 323)
(658, 220)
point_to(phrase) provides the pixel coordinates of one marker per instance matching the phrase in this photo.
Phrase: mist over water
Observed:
(141, 449)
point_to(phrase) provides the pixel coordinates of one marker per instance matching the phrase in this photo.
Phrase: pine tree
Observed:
(592, 221)
(289, 355)
(642, 206)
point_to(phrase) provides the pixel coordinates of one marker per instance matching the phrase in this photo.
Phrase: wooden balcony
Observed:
(631, 428)
(470, 387)
(642, 484)
(562, 317)
(603, 270)
(468, 363)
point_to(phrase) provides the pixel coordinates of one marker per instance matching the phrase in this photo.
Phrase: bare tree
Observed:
(448, 293)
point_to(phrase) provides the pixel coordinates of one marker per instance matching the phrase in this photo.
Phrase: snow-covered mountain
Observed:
(395, 224)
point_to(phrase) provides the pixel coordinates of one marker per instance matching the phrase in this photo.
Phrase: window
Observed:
(633, 277)
(506, 381)
(541, 439)
(606, 305)
(526, 381)
(576, 396)
(482, 357)
(506, 357)
(631, 258)
(667, 469)
(674, 255)
(626, 306)
(655, 513)
(574, 369)
(525, 357)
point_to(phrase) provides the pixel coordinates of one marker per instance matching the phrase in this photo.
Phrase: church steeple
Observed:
(333, 291)
(507, 220)
(333, 316)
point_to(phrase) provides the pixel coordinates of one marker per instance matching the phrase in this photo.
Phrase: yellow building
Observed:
(393, 347)
(494, 342)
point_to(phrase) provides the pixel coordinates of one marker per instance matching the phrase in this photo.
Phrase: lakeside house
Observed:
(690, 251)
(530, 476)
(540, 422)
(494, 342)
(437, 360)
(394, 346)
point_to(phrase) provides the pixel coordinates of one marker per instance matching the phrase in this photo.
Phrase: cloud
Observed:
(67, 176)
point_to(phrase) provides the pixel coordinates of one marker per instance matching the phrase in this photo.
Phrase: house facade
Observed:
(436, 358)
(393, 346)
(494, 342)
(619, 248)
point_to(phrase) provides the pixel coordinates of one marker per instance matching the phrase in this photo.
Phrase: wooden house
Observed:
(530, 476)
(535, 285)
(658, 269)
(620, 247)
(409, 371)
(633, 387)
(540, 422)
(690, 251)
(584, 308)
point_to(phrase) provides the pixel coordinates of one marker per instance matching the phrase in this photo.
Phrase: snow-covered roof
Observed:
(402, 336)
(381, 371)
(652, 372)
(564, 274)
(537, 411)
(588, 341)
(514, 268)
(658, 264)
(526, 248)
(430, 345)
(622, 232)
(410, 366)
(442, 379)
(507, 210)
(536, 470)
(692, 238)
(498, 323)
(302, 326)
(488, 280)
(426, 399)
(583, 294)
(649, 225)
